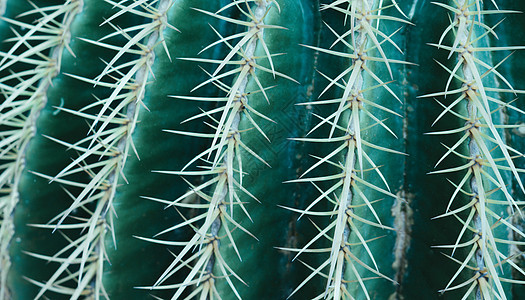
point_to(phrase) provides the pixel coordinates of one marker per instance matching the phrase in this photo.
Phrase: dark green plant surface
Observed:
(257, 149)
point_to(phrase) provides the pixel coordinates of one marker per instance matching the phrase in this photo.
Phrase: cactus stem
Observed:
(351, 186)
(478, 133)
(226, 167)
(55, 23)
(112, 142)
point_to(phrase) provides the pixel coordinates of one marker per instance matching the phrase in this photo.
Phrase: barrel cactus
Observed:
(262, 149)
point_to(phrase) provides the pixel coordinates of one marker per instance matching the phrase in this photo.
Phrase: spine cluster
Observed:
(237, 77)
(486, 155)
(353, 115)
(103, 152)
(36, 54)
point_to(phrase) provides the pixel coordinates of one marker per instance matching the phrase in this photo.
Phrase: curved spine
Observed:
(488, 157)
(349, 123)
(37, 49)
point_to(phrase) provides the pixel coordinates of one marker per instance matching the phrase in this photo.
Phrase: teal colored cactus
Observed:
(262, 149)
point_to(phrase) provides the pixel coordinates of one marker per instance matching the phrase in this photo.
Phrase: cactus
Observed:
(261, 149)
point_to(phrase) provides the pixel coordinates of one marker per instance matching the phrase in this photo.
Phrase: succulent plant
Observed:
(261, 149)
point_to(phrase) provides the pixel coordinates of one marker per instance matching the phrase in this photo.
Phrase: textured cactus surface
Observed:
(262, 149)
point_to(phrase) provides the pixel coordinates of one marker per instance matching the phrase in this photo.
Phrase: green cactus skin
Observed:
(515, 136)
(191, 149)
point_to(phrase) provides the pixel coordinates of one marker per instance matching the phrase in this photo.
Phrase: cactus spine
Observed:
(353, 116)
(225, 112)
(23, 101)
(224, 159)
(488, 154)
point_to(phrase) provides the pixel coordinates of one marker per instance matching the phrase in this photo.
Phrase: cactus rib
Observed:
(25, 96)
(483, 182)
(110, 144)
(354, 151)
(225, 168)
